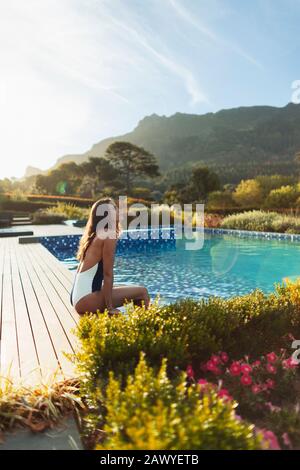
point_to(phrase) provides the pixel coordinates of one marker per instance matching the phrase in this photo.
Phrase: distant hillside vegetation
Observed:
(241, 142)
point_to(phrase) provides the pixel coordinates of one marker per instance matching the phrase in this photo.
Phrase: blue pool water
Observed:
(225, 266)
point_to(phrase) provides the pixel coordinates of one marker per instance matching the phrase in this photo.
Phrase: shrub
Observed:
(52, 199)
(285, 422)
(47, 217)
(283, 197)
(262, 221)
(256, 385)
(68, 211)
(212, 220)
(185, 332)
(23, 206)
(220, 200)
(251, 220)
(248, 193)
(152, 412)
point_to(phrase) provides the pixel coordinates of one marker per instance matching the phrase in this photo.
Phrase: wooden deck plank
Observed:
(59, 296)
(36, 317)
(63, 274)
(9, 358)
(52, 271)
(56, 331)
(28, 359)
(48, 361)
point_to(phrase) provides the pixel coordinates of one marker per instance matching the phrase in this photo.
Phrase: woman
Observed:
(93, 287)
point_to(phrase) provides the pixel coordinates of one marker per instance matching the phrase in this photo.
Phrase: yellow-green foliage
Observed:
(262, 221)
(187, 331)
(152, 412)
(68, 211)
(47, 217)
(248, 193)
(285, 197)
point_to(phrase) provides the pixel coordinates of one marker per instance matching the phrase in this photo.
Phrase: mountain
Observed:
(32, 171)
(263, 138)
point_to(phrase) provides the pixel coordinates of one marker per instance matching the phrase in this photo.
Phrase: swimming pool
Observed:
(226, 266)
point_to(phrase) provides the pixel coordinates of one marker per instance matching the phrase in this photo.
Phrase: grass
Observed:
(38, 408)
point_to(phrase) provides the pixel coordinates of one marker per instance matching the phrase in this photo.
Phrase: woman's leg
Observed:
(137, 294)
(120, 294)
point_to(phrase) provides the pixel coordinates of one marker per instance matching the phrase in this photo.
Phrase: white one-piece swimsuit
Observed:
(86, 282)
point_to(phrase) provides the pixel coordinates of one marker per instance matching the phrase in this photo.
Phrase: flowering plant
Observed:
(256, 385)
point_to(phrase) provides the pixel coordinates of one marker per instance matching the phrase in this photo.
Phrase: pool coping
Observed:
(216, 231)
(254, 234)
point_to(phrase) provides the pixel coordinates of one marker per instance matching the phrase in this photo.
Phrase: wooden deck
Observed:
(36, 318)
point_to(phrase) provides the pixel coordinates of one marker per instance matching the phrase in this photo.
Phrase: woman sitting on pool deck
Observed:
(93, 287)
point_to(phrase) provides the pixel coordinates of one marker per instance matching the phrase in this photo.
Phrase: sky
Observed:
(73, 72)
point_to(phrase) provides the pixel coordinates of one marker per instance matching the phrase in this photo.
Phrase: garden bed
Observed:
(145, 371)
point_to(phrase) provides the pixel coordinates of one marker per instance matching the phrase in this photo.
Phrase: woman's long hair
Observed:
(91, 226)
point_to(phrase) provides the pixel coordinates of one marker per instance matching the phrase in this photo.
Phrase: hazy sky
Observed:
(76, 71)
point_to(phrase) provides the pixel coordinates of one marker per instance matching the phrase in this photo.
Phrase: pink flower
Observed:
(286, 440)
(271, 357)
(256, 364)
(223, 393)
(246, 379)
(202, 382)
(215, 359)
(246, 369)
(256, 388)
(289, 363)
(210, 365)
(272, 407)
(270, 383)
(190, 372)
(224, 357)
(271, 439)
(271, 369)
(235, 368)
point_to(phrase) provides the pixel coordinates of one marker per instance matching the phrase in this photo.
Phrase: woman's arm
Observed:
(108, 264)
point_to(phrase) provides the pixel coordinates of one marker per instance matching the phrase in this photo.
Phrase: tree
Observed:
(282, 198)
(61, 180)
(131, 161)
(101, 168)
(204, 181)
(269, 182)
(248, 193)
(220, 200)
(297, 157)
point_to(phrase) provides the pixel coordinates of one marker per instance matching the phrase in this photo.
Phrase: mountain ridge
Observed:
(229, 136)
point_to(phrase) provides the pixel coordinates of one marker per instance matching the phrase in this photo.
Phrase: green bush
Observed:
(152, 412)
(248, 193)
(22, 206)
(262, 222)
(284, 197)
(68, 211)
(220, 200)
(250, 220)
(285, 422)
(46, 217)
(185, 332)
